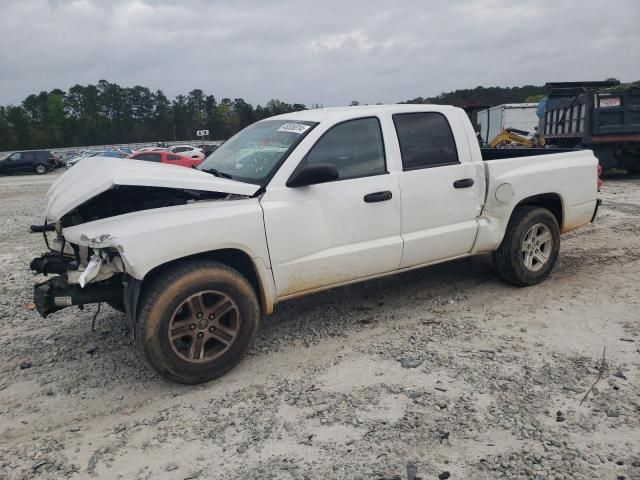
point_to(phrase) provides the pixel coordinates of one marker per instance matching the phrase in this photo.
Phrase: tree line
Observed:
(107, 113)
(485, 96)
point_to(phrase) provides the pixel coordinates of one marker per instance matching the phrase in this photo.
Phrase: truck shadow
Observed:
(335, 311)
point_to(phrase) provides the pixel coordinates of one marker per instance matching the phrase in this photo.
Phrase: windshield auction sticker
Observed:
(294, 128)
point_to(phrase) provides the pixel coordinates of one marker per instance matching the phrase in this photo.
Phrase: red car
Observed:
(167, 157)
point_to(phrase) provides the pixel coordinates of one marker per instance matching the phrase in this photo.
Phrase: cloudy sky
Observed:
(328, 52)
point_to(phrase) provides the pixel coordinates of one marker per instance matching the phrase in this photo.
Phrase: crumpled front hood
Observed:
(94, 175)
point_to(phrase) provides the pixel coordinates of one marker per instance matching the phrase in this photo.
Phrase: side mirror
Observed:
(313, 174)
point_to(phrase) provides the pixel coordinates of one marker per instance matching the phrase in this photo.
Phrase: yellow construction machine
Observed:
(514, 138)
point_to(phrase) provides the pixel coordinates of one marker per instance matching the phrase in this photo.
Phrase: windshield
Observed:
(254, 154)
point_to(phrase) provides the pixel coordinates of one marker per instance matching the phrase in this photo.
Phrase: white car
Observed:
(292, 205)
(70, 162)
(148, 149)
(187, 151)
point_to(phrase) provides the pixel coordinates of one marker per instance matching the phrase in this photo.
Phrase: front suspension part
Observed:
(56, 294)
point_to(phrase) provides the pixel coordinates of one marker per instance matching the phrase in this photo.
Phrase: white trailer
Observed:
(494, 120)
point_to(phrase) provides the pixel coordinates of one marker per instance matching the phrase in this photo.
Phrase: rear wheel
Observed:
(40, 169)
(530, 247)
(197, 321)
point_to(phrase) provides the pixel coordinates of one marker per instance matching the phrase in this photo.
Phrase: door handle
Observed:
(378, 197)
(464, 183)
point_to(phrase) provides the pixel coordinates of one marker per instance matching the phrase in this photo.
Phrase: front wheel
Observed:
(530, 247)
(197, 321)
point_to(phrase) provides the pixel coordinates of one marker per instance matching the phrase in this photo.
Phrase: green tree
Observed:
(533, 98)
(54, 120)
(20, 127)
(244, 112)
(227, 117)
(162, 117)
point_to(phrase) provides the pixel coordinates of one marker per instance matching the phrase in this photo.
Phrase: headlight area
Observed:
(82, 275)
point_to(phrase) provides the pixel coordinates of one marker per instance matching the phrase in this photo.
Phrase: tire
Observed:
(208, 336)
(40, 169)
(532, 236)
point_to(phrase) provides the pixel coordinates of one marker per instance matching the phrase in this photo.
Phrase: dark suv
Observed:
(39, 161)
(208, 149)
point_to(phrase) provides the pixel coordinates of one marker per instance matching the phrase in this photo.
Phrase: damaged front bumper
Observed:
(56, 293)
(120, 291)
(83, 274)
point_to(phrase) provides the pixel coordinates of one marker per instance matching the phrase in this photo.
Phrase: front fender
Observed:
(150, 238)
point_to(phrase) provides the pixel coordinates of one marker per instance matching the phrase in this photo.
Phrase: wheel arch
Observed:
(257, 275)
(550, 201)
(493, 225)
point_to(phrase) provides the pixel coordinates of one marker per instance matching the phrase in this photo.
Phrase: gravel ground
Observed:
(444, 371)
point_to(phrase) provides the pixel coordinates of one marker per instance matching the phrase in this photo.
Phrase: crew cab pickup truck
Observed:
(291, 205)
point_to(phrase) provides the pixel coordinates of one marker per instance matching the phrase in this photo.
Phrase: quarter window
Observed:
(425, 140)
(355, 147)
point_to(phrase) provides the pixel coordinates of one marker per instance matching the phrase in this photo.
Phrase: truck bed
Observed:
(570, 177)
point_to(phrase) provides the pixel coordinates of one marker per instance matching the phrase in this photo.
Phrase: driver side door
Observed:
(340, 231)
(13, 162)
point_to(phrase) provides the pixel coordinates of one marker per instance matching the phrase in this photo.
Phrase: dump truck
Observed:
(594, 115)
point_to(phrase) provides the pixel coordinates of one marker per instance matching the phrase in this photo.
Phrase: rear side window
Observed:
(180, 149)
(425, 140)
(149, 157)
(355, 147)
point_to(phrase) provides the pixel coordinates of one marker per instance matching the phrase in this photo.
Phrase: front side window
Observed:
(174, 157)
(180, 149)
(16, 156)
(355, 147)
(425, 140)
(254, 154)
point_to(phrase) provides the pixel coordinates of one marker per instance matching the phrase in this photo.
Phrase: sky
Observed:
(314, 52)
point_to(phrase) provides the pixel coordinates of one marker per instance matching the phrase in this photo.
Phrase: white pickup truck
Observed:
(292, 205)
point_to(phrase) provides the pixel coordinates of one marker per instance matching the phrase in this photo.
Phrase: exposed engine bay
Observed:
(123, 199)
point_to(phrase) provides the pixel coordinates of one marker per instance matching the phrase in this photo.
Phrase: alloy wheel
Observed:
(204, 326)
(536, 247)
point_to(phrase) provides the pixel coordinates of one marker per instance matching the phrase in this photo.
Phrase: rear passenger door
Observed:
(149, 157)
(28, 161)
(181, 160)
(439, 195)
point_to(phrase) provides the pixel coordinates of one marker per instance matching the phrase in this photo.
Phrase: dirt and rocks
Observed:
(441, 373)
